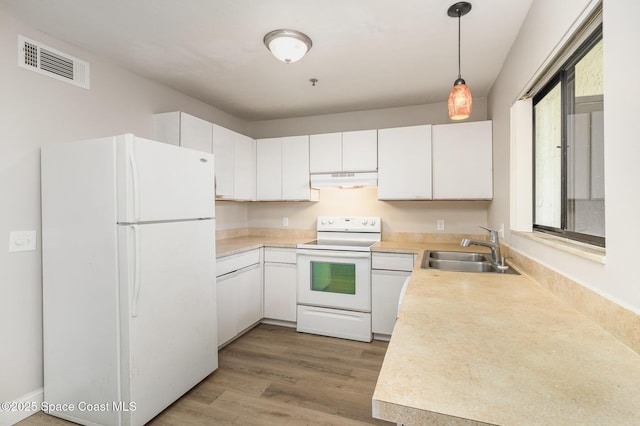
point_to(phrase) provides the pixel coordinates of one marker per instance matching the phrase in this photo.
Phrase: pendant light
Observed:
(460, 101)
(287, 45)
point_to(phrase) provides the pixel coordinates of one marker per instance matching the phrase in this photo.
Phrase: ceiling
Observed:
(366, 54)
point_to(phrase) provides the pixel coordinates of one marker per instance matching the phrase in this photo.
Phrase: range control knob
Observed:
(330, 221)
(323, 221)
(365, 221)
(372, 222)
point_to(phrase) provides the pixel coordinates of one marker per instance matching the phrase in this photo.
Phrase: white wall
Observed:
(544, 27)
(362, 120)
(36, 110)
(397, 216)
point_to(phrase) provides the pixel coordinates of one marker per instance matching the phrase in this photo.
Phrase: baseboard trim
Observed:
(29, 404)
(382, 337)
(281, 323)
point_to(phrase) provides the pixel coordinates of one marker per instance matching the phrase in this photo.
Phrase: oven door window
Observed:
(333, 277)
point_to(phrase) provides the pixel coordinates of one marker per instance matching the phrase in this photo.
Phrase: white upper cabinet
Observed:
(179, 128)
(355, 151)
(325, 153)
(223, 141)
(295, 168)
(283, 169)
(462, 161)
(244, 167)
(269, 169)
(440, 162)
(404, 163)
(360, 151)
(195, 133)
(234, 154)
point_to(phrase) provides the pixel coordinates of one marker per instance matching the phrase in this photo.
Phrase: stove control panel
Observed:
(349, 224)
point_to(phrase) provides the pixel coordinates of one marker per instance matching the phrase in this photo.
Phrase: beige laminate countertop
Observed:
(229, 246)
(471, 348)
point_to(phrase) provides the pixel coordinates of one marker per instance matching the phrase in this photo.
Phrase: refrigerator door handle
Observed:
(136, 270)
(135, 182)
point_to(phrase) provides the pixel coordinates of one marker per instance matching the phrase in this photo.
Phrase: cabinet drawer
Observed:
(392, 261)
(233, 262)
(279, 255)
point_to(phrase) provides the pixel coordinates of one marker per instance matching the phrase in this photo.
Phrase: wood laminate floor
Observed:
(275, 376)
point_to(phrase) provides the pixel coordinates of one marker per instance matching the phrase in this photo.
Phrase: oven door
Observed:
(335, 279)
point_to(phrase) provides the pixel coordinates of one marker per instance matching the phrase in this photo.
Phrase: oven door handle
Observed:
(334, 254)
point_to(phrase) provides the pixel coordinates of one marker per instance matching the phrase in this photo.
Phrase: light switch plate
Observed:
(22, 241)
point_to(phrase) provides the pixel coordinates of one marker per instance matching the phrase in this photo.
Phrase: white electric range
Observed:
(334, 278)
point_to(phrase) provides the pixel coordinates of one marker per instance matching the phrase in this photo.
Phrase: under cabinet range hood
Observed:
(344, 180)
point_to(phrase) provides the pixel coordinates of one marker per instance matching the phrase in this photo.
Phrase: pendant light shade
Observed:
(287, 45)
(460, 101)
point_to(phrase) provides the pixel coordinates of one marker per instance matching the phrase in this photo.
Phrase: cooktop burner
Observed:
(338, 244)
(345, 233)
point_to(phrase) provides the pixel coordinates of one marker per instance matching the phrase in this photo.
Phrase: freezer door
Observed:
(158, 181)
(168, 312)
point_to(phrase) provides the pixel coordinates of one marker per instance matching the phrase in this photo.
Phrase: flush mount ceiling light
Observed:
(288, 45)
(460, 101)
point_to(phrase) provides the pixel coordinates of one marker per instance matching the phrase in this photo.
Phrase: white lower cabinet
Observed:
(239, 294)
(280, 284)
(388, 274)
(227, 312)
(249, 297)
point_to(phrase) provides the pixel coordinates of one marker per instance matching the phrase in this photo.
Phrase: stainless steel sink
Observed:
(458, 255)
(462, 262)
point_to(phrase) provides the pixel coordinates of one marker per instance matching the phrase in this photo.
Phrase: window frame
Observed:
(561, 76)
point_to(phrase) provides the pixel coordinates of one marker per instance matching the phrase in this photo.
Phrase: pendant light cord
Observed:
(459, 74)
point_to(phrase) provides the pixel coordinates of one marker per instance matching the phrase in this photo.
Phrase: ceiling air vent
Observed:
(42, 59)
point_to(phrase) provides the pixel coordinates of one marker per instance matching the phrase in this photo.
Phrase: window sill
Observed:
(586, 251)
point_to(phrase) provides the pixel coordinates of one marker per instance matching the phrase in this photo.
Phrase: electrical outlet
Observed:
(501, 230)
(285, 221)
(440, 225)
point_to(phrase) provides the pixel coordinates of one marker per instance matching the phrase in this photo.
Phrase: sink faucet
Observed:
(493, 244)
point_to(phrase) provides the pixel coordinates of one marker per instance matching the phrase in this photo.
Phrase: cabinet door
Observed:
(166, 127)
(223, 160)
(244, 165)
(360, 151)
(249, 297)
(385, 294)
(295, 168)
(462, 161)
(269, 169)
(404, 163)
(226, 303)
(280, 291)
(195, 133)
(325, 153)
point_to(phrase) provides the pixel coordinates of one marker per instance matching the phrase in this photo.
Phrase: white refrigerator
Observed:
(129, 301)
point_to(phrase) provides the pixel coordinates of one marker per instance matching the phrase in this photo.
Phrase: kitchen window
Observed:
(568, 148)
